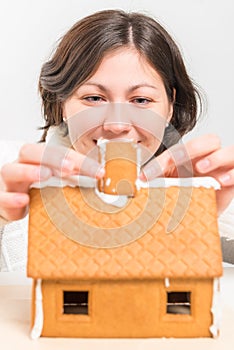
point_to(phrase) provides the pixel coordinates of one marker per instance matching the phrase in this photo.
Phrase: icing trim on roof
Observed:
(85, 181)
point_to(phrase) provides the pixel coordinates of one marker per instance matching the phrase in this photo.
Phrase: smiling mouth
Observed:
(119, 139)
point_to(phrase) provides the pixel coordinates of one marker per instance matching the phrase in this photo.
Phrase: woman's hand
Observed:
(38, 162)
(202, 156)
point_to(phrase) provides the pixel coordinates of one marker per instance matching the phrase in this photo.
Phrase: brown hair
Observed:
(82, 48)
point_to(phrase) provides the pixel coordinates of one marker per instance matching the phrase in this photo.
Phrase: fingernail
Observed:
(96, 171)
(203, 164)
(142, 176)
(67, 164)
(225, 179)
(43, 173)
(18, 199)
(92, 168)
(150, 173)
(100, 173)
(179, 155)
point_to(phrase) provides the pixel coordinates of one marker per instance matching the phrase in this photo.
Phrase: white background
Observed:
(29, 30)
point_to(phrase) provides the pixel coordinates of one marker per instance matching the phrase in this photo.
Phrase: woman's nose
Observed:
(116, 127)
(117, 119)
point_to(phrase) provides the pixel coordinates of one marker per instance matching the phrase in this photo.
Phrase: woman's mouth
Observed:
(95, 141)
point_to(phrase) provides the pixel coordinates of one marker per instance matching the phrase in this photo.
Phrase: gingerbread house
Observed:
(141, 266)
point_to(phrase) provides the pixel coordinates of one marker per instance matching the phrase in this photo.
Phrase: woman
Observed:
(115, 63)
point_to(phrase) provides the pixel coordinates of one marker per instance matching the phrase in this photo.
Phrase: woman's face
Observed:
(125, 98)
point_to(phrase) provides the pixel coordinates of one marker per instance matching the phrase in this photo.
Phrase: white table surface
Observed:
(15, 295)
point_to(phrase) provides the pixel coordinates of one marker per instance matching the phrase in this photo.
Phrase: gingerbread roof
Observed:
(74, 235)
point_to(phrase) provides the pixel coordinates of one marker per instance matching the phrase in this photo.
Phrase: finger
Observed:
(181, 154)
(154, 168)
(221, 158)
(51, 156)
(13, 205)
(60, 158)
(203, 145)
(227, 178)
(19, 177)
(169, 162)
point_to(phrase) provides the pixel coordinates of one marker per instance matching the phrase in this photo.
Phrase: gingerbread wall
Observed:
(128, 309)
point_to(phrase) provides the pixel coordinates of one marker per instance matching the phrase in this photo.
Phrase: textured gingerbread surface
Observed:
(123, 243)
(128, 309)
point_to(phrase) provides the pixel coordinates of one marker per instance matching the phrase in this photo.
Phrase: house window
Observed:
(75, 302)
(179, 303)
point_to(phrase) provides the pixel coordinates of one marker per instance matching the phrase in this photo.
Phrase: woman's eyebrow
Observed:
(99, 86)
(130, 89)
(138, 86)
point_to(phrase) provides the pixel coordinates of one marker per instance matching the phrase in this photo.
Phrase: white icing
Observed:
(72, 181)
(216, 309)
(38, 321)
(102, 142)
(167, 282)
(108, 181)
(85, 181)
(118, 201)
(206, 182)
(102, 147)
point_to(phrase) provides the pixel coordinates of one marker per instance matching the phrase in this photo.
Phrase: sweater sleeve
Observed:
(13, 246)
(226, 229)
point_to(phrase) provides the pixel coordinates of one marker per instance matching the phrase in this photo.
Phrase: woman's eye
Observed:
(94, 99)
(141, 100)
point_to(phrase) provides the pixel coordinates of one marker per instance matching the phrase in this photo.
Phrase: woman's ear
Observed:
(64, 114)
(171, 108)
